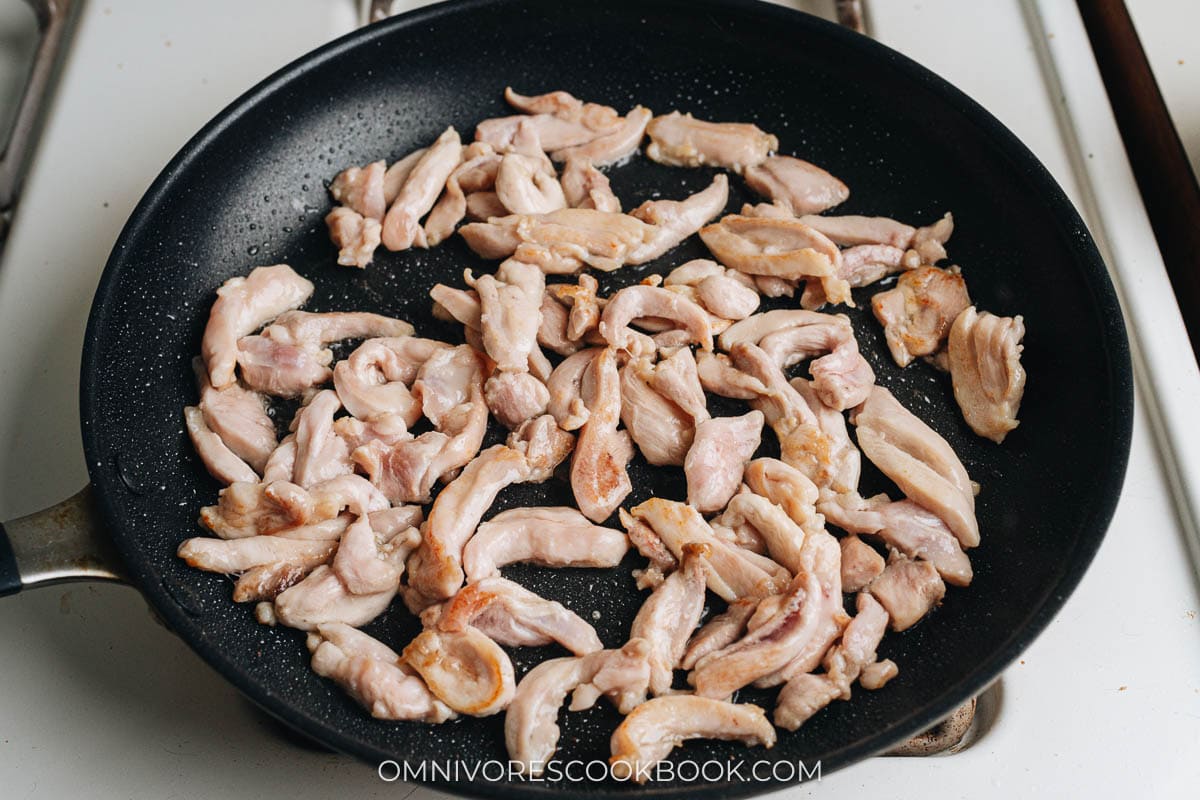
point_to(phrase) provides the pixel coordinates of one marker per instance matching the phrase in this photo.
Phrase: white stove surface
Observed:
(99, 698)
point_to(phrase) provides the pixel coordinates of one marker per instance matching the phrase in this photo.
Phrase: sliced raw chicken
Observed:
(361, 190)
(356, 237)
(636, 302)
(599, 480)
(917, 314)
(465, 670)
(612, 147)
(562, 241)
(584, 186)
(419, 192)
(852, 230)
(669, 615)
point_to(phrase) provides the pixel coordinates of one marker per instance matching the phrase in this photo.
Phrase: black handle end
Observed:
(10, 578)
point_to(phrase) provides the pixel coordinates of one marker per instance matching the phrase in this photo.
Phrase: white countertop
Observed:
(101, 700)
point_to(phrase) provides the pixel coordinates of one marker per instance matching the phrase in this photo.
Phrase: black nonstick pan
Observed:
(249, 189)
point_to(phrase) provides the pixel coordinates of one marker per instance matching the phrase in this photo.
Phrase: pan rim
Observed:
(997, 137)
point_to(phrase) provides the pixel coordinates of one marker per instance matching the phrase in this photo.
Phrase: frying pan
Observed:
(249, 189)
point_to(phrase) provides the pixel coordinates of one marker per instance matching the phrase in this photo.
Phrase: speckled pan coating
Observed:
(250, 189)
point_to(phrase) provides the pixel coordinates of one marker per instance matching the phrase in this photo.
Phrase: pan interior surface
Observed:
(251, 190)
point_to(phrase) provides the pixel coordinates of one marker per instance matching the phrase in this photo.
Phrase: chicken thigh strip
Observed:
(797, 185)
(714, 462)
(658, 726)
(242, 306)
(401, 225)
(599, 479)
(373, 674)
(513, 616)
(681, 140)
(985, 367)
(920, 462)
(551, 537)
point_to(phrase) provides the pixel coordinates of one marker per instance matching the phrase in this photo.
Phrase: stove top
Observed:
(1106, 702)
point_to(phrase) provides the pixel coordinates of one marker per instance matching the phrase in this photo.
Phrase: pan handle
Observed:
(58, 544)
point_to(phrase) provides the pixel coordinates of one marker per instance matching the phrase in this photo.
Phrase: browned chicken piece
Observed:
(361, 190)
(985, 366)
(375, 380)
(661, 429)
(356, 237)
(929, 242)
(476, 174)
(780, 248)
(419, 192)
(613, 147)
(920, 462)
(732, 572)
(435, 571)
(719, 632)
(221, 462)
(851, 230)
(917, 314)
(635, 302)
(908, 590)
(551, 537)
(680, 140)
(584, 186)
(598, 477)
(320, 453)
(465, 670)
(658, 726)
(843, 463)
(567, 404)
(806, 693)
(676, 220)
(373, 674)
(243, 305)
(716, 458)
(809, 440)
(513, 616)
(562, 241)
(796, 185)
(669, 615)
(530, 724)
(524, 187)
(876, 675)
(861, 564)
